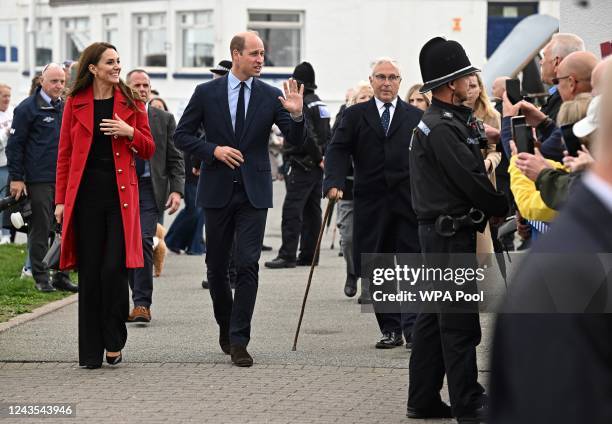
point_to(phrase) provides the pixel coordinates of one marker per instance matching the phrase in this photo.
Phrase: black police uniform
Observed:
(302, 206)
(448, 178)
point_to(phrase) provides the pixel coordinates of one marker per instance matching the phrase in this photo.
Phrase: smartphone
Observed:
(513, 90)
(522, 134)
(572, 143)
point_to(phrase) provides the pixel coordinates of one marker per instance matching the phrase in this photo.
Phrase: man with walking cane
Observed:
(377, 134)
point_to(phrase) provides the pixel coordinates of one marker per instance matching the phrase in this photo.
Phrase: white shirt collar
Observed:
(600, 188)
(235, 82)
(45, 96)
(381, 105)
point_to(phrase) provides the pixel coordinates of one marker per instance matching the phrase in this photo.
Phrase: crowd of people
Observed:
(436, 172)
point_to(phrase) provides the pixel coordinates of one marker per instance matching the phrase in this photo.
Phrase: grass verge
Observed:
(18, 296)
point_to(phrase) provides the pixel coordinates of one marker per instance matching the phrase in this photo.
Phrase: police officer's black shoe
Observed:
(62, 282)
(350, 286)
(278, 263)
(441, 410)
(390, 340)
(478, 415)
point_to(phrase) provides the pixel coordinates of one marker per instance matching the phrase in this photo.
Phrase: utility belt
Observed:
(448, 225)
(305, 164)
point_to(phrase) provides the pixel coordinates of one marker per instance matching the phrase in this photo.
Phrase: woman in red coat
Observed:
(96, 196)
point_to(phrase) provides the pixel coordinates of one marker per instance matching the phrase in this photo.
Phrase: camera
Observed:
(478, 130)
(20, 211)
(522, 134)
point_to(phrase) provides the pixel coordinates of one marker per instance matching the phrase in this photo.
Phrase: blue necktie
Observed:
(385, 119)
(239, 126)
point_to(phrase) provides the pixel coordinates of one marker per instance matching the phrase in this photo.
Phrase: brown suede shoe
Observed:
(140, 314)
(240, 356)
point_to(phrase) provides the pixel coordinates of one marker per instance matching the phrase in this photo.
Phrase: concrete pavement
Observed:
(174, 370)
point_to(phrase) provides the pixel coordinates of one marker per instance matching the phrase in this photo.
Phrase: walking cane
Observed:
(326, 217)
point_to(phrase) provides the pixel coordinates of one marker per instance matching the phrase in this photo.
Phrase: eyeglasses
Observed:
(555, 81)
(390, 78)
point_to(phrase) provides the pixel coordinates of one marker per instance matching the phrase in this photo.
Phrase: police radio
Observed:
(478, 131)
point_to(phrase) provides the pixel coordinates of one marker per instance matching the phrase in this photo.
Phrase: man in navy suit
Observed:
(237, 112)
(377, 135)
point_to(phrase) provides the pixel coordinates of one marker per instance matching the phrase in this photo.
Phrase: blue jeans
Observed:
(186, 232)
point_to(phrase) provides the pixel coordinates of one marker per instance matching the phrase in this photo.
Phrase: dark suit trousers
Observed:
(301, 213)
(238, 217)
(187, 229)
(379, 228)
(41, 222)
(103, 287)
(445, 343)
(141, 279)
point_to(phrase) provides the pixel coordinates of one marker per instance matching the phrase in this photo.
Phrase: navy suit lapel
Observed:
(372, 117)
(223, 101)
(398, 117)
(254, 102)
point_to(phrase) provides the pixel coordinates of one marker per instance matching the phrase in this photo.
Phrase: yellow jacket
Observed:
(527, 198)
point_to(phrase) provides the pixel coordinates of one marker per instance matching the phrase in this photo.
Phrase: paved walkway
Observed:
(174, 371)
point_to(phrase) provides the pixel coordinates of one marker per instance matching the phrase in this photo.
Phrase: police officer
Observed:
(453, 198)
(304, 176)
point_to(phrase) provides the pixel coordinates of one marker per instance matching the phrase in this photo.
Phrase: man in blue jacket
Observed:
(32, 156)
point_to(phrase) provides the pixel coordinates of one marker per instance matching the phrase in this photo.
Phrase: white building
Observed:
(177, 41)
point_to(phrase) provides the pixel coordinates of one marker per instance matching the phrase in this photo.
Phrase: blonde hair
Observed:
(483, 109)
(360, 88)
(415, 89)
(3, 85)
(573, 111)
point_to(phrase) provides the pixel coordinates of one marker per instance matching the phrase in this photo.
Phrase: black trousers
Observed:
(141, 279)
(302, 218)
(42, 197)
(103, 285)
(248, 224)
(445, 343)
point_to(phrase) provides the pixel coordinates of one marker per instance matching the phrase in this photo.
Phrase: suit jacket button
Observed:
(117, 154)
(125, 205)
(119, 171)
(122, 188)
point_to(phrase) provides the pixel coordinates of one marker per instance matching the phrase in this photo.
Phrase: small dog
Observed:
(159, 250)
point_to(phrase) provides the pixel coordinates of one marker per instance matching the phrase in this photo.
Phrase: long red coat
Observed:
(75, 140)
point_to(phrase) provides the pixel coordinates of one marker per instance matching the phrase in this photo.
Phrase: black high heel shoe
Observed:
(114, 360)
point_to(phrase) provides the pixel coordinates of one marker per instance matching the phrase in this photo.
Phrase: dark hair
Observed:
(35, 83)
(159, 99)
(237, 43)
(91, 56)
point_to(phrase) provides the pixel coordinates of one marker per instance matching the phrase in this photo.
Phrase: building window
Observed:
(75, 36)
(43, 41)
(151, 39)
(282, 35)
(197, 38)
(8, 42)
(110, 25)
